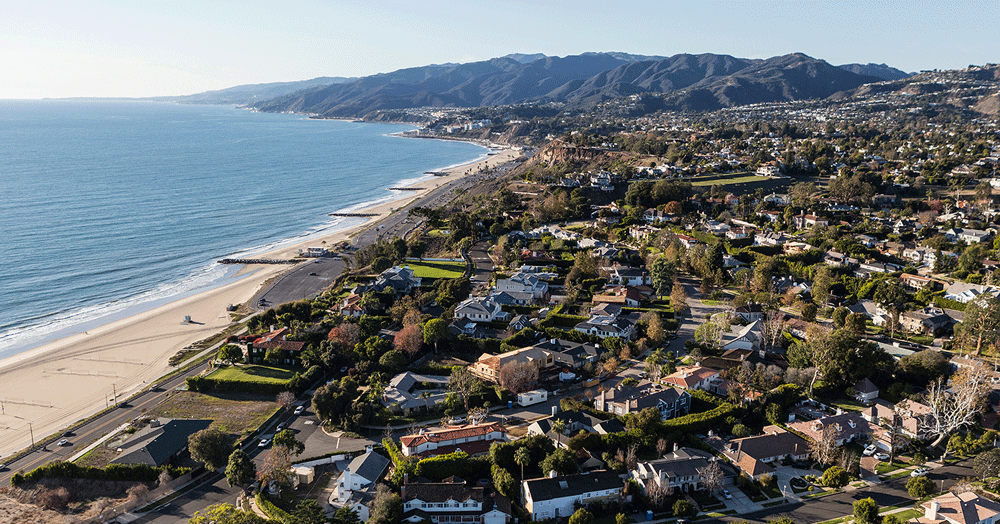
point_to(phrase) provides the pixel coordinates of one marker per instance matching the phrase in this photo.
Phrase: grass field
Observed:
(720, 181)
(428, 269)
(235, 414)
(263, 374)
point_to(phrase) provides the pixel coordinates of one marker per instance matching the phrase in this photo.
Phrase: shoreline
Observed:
(64, 380)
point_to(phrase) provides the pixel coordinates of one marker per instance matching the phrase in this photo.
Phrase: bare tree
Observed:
(711, 476)
(517, 377)
(656, 493)
(464, 383)
(631, 462)
(285, 399)
(824, 449)
(772, 327)
(661, 447)
(477, 415)
(847, 459)
(138, 492)
(276, 467)
(951, 409)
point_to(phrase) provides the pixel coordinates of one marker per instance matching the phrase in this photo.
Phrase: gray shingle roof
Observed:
(154, 445)
(572, 485)
(371, 465)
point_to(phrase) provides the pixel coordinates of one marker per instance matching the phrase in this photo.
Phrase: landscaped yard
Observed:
(262, 374)
(235, 414)
(719, 181)
(429, 269)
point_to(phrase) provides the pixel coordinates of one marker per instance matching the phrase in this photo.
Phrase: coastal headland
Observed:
(47, 388)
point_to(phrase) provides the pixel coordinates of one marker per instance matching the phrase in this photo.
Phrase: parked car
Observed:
(299, 410)
(280, 427)
(919, 472)
(727, 494)
(264, 442)
(870, 450)
(882, 456)
(457, 420)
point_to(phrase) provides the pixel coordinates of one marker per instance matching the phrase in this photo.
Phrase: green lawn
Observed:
(427, 269)
(717, 181)
(263, 374)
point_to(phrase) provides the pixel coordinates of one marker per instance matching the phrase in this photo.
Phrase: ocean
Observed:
(110, 208)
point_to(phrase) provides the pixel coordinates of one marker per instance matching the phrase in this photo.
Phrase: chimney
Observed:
(402, 489)
(368, 449)
(676, 446)
(553, 474)
(932, 510)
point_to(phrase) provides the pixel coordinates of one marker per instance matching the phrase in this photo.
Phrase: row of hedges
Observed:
(273, 512)
(70, 470)
(211, 385)
(558, 320)
(697, 422)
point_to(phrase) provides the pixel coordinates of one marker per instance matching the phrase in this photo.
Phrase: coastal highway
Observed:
(96, 428)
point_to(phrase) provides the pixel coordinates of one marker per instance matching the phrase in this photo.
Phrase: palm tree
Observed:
(522, 457)
(558, 426)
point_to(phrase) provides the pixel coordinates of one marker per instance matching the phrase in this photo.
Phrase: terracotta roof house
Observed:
(849, 426)
(692, 377)
(257, 350)
(474, 439)
(488, 366)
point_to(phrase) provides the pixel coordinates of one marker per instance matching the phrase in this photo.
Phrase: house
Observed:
(356, 485)
(969, 236)
(865, 391)
(622, 326)
(525, 283)
(692, 377)
(653, 215)
(160, 441)
(680, 471)
(754, 455)
(400, 279)
(715, 227)
(769, 238)
(737, 233)
(910, 414)
(914, 283)
(631, 276)
(452, 501)
(512, 298)
(399, 393)
(686, 241)
(558, 496)
(750, 336)
(480, 309)
(849, 427)
(803, 221)
(778, 199)
(518, 323)
(275, 342)
(474, 439)
(488, 366)
(961, 508)
(574, 353)
(750, 312)
(574, 421)
(925, 320)
(642, 232)
(965, 293)
(769, 170)
(625, 296)
(772, 216)
(622, 400)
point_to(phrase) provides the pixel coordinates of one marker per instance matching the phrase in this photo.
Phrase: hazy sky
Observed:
(67, 48)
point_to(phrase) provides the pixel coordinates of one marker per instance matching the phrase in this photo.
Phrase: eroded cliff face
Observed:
(558, 153)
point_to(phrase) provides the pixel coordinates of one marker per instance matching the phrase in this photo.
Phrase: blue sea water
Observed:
(111, 207)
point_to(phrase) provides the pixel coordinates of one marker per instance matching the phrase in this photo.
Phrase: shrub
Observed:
(919, 487)
(836, 477)
(273, 512)
(683, 508)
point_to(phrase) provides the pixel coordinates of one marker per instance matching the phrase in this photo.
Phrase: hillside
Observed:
(691, 82)
(250, 93)
(880, 71)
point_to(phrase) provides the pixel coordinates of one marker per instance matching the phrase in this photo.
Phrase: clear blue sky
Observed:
(51, 48)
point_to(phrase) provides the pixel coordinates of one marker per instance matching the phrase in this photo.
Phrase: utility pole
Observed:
(32, 433)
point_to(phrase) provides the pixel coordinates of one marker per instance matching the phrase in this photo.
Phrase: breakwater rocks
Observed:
(258, 261)
(363, 215)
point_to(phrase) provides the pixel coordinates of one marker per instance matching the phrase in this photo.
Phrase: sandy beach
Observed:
(72, 378)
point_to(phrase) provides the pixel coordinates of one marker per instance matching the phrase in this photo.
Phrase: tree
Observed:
(276, 467)
(919, 487)
(241, 469)
(987, 464)
(517, 376)
(809, 312)
(285, 399)
(286, 439)
(225, 514)
(562, 461)
(581, 516)
(346, 515)
(678, 299)
(393, 360)
(434, 331)
(346, 333)
(683, 508)
(386, 507)
(822, 282)
(309, 512)
(661, 447)
(835, 477)
(984, 192)
(955, 407)
(840, 316)
(711, 476)
(230, 353)
(463, 382)
(211, 447)
(661, 271)
(559, 427)
(709, 334)
(503, 481)
(621, 518)
(890, 295)
(654, 328)
(409, 339)
(980, 327)
(866, 511)
(824, 449)
(522, 456)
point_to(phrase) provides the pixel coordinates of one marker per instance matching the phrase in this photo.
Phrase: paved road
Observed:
(833, 506)
(91, 431)
(483, 264)
(308, 279)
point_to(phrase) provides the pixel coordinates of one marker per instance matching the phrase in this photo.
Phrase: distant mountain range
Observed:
(686, 82)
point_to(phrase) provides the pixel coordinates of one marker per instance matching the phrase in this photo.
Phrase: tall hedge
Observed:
(129, 472)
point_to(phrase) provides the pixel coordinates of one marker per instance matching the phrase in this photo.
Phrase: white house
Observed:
(447, 502)
(526, 283)
(355, 487)
(556, 496)
(679, 471)
(749, 337)
(480, 309)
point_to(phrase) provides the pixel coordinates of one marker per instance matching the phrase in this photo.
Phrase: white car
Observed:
(727, 494)
(919, 472)
(299, 410)
(870, 450)
(882, 456)
(264, 442)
